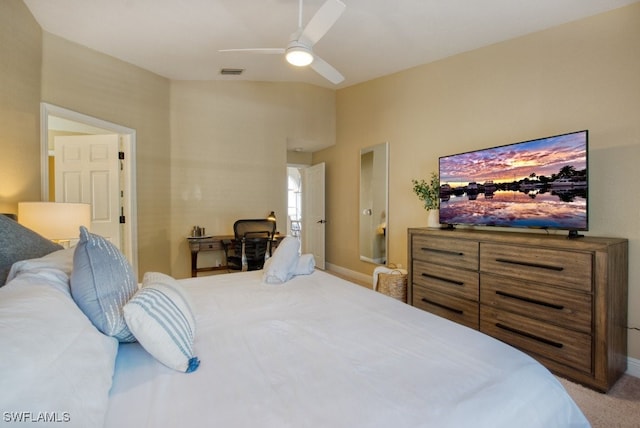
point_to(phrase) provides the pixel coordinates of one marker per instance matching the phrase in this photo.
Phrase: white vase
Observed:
(433, 218)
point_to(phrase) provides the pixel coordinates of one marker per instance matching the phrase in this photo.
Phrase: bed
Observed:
(312, 351)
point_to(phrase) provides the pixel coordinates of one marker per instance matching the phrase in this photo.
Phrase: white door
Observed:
(87, 171)
(313, 221)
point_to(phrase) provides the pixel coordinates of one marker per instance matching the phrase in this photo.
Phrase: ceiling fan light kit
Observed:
(299, 55)
(299, 50)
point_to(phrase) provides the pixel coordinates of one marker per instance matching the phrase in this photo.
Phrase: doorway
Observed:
(306, 208)
(57, 120)
(86, 168)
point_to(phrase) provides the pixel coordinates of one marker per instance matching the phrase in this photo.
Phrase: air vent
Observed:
(231, 71)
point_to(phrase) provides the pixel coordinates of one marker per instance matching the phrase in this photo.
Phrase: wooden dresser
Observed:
(563, 301)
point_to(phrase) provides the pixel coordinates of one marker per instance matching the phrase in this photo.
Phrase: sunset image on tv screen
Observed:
(540, 183)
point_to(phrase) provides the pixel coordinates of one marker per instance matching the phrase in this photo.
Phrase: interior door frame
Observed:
(130, 241)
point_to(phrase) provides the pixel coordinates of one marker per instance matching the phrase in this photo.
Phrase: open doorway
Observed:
(306, 211)
(118, 201)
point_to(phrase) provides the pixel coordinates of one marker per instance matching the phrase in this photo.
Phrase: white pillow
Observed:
(161, 319)
(281, 267)
(102, 282)
(61, 259)
(54, 364)
(306, 265)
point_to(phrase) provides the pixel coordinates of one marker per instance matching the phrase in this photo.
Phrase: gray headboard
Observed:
(19, 243)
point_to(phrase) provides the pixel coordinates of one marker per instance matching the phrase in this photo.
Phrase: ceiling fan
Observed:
(299, 51)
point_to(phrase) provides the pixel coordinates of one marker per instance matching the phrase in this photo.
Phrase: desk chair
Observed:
(251, 244)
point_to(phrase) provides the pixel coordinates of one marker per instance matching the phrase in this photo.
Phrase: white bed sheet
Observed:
(319, 351)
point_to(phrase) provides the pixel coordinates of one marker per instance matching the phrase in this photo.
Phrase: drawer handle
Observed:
(433, 250)
(450, 281)
(530, 300)
(536, 265)
(457, 311)
(530, 336)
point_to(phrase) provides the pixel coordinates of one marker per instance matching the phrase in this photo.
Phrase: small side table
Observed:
(214, 243)
(205, 243)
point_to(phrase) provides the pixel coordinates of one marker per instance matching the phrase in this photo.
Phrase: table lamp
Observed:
(57, 221)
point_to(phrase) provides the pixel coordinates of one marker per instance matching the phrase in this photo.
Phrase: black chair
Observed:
(251, 244)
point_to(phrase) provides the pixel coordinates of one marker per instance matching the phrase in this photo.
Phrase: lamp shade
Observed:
(55, 220)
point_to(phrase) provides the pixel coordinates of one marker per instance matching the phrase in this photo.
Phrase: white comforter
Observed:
(318, 351)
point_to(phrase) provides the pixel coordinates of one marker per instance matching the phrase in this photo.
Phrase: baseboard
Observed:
(633, 367)
(359, 277)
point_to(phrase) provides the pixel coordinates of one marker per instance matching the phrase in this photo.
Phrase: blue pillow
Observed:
(102, 282)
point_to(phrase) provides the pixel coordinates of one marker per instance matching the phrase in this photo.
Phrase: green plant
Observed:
(428, 192)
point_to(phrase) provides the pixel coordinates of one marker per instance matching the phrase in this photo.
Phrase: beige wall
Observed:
(583, 75)
(89, 82)
(229, 153)
(40, 67)
(305, 158)
(21, 57)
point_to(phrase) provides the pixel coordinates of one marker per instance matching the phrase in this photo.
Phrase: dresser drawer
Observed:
(570, 309)
(462, 311)
(454, 281)
(555, 267)
(564, 346)
(211, 245)
(444, 251)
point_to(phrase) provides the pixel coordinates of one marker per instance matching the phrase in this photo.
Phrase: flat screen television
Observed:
(540, 184)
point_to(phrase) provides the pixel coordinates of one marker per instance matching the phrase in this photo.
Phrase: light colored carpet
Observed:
(619, 408)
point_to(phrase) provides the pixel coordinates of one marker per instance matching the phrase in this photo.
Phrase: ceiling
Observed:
(180, 39)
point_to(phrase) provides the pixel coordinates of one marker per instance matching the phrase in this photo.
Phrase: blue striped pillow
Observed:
(161, 319)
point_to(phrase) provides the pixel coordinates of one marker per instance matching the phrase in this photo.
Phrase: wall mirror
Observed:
(374, 189)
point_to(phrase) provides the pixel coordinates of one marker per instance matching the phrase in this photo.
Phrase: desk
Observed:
(205, 243)
(214, 243)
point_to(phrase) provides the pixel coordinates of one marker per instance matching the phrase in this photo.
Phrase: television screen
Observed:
(540, 183)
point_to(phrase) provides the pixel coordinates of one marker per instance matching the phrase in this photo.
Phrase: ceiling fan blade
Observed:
(322, 21)
(279, 51)
(327, 71)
